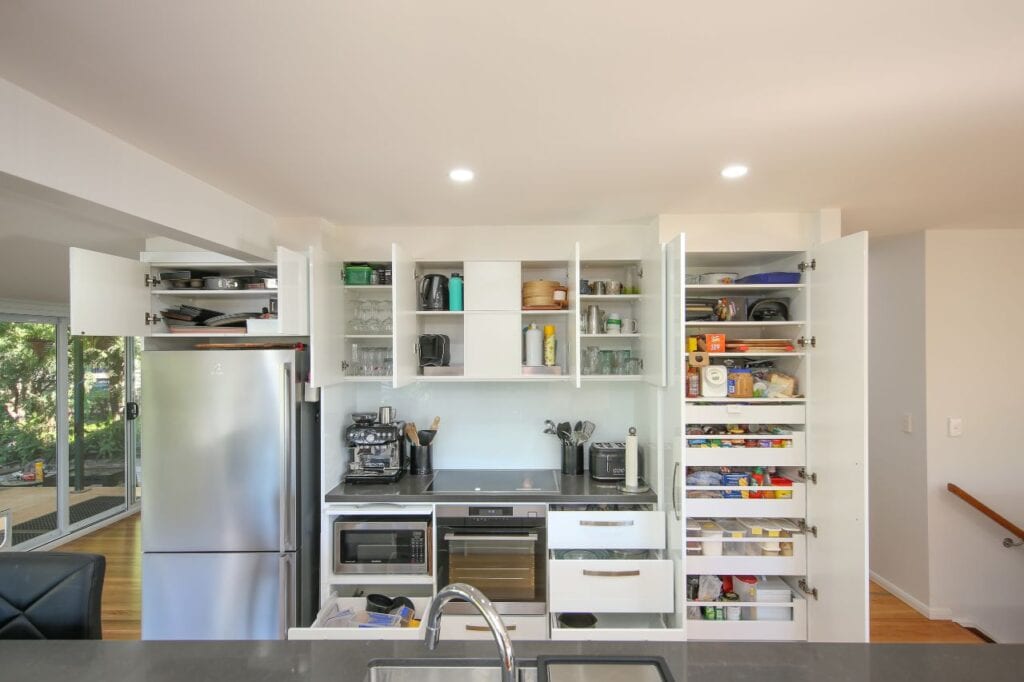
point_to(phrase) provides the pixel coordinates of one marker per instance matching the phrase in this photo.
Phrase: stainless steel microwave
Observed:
(382, 544)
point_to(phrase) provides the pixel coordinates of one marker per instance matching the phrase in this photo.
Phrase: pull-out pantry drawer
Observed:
(611, 586)
(475, 627)
(745, 413)
(606, 530)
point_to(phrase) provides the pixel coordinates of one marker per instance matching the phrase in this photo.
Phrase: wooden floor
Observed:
(121, 544)
(891, 619)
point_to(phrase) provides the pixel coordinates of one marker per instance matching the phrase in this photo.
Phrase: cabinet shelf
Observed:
(609, 297)
(367, 380)
(612, 377)
(786, 354)
(222, 293)
(440, 312)
(746, 323)
(367, 336)
(361, 579)
(369, 287)
(547, 312)
(609, 336)
(744, 287)
(749, 401)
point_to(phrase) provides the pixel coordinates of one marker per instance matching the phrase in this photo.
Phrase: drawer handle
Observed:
(606, 523)
(612, 574)
(484, 628)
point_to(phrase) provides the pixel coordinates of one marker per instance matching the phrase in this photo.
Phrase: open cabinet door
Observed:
(403, 316)
(672, 474)
(109, 296)
(652, 312)
(326, 319)
(292, 292)
(574, 314)
(837, 419)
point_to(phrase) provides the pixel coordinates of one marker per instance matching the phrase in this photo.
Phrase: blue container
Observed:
(455, 292)
(771, 278)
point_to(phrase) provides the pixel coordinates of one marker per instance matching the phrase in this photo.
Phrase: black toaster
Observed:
(608, 461)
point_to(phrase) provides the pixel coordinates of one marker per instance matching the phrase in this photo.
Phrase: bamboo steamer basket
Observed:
(541, 293)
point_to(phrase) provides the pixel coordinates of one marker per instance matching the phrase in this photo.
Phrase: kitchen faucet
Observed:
(486, 609)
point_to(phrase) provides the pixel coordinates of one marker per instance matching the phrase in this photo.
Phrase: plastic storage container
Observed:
(710, 529)
(731, 528)
(357, 274)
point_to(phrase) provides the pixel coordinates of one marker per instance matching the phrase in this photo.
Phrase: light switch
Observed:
(955, 427)
(908, 423)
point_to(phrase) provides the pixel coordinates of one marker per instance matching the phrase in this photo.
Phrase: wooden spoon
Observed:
(411, 433)
(436, 424)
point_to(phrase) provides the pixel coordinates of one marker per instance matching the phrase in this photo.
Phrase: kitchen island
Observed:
(273, 661)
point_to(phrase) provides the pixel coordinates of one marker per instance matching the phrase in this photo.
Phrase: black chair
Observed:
(51, 595)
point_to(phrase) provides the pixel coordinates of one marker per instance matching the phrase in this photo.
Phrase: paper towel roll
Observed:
(632, 459)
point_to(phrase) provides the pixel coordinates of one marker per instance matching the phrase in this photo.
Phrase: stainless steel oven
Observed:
(382, 544)
(499, 549)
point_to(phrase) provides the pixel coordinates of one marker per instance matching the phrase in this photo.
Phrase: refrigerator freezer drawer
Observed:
(217, 596)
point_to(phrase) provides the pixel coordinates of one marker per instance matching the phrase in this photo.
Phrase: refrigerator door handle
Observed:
(288, 448)
(286, 598)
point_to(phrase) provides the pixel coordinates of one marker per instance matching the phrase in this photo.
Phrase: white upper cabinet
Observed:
(837, 407)
(292, 293)
(405, 363)
(113, 296)
(109, 296)
(652, 310)
(326, 319)
(492, 286)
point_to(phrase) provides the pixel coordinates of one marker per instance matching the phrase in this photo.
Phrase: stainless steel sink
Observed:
(428, 671)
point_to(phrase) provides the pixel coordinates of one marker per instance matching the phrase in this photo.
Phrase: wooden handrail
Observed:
(986, 510)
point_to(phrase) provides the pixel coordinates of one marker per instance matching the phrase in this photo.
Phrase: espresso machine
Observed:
(374, 445)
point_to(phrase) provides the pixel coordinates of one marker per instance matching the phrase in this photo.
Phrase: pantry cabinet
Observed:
(820, 437)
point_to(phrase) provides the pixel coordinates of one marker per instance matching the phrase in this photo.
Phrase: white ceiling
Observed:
(906, 114)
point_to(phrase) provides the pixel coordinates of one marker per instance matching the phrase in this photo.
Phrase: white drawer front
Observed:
(625, 586)
(795, 455)
(474, 627)
(606, 530)
(794, 507)
(731, 564)
(619, 627)
(321, 628)
(738, 413)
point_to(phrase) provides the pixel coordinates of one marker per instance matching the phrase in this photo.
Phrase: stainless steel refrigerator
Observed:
(230, 514)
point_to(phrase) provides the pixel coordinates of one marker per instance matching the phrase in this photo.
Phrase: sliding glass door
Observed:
(68, 455)
(32, 414)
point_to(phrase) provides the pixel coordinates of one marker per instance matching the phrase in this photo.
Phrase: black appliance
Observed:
(608, 461)
(375, 450)
(435, 350)
(498, 549)
(382, 544)
(769, 310)
(434, 292)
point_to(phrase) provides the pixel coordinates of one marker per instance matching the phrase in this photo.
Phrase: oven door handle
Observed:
(491, 538)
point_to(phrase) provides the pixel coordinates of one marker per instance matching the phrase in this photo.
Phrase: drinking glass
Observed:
(382, 314)
(634, 366)
(364, 311)
(604, 362)
(591, 360)
(619, 360)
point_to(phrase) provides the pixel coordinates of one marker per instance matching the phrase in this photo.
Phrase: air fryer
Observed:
(435, 350)
(769, 310)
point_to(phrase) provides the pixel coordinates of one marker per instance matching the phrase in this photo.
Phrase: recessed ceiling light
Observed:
(461, 175)
(734, 171)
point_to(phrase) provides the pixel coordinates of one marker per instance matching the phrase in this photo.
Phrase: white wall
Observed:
(490, 425)
(897, 468)
(975, 372)
(710, 232)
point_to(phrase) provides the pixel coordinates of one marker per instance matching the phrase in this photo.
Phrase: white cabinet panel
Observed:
(493, 285)
(292, 292)
(613, 586)
(493, 348)
(109, 296)
(606, 530)
(474, 627)
(326, 319)
(653, 342)
(837, 442)
(794, 629)
(739, 413)
(403, 315)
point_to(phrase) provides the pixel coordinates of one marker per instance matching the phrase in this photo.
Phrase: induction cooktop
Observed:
(490, 481)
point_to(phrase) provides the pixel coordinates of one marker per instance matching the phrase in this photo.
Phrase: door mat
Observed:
(26, 530)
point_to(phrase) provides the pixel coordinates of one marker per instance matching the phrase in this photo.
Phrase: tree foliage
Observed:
(28, 394)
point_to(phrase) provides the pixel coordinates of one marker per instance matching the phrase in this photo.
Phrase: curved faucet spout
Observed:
(486, 609)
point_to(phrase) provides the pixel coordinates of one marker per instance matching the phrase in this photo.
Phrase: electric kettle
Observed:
(434, 292)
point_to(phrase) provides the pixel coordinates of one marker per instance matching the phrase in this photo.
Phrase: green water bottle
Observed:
(455, 292)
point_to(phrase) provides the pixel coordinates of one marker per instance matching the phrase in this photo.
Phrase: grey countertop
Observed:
(578, 489)
(83, 661)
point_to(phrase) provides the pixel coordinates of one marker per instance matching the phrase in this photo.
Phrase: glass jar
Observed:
(741, 383)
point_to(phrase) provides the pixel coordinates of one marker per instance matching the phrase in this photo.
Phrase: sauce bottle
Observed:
(692, 382)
